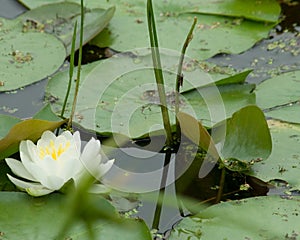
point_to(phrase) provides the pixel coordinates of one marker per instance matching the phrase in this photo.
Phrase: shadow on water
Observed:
(140, 157)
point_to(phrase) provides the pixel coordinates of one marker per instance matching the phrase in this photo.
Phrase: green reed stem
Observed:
(158, 72)
(179, 79)
(221, 185)
(163, 183)
(71, 70)
(78, 67)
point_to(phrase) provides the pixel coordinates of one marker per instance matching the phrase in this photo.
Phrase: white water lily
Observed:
(54, 161)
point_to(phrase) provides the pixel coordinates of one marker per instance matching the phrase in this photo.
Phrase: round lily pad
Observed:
(28, 57)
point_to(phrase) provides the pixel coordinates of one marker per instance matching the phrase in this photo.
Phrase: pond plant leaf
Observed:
(27, 57)
(119, 95)
(265, 11)
(284, 161)
(247, 138)
(224, 27)
(286, 105)
(35, 216)
(46, 113)
(59, 19)
(241, 22)
(6, 123)
(30, 129)
(198, 134)
(268, 217)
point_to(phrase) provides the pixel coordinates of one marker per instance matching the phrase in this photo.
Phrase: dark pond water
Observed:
(25, 102)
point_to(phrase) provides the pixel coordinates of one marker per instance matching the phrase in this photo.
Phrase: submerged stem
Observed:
(221, 185)
(158, 72)
(158, 209)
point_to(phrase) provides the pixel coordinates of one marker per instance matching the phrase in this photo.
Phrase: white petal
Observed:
(67, 134)
(77, 140)
(38, 191)
(34, 189)
(90, 152)
(18, 168)
(48, 135)
(27, 150)
(45, 139)
(32, 151)
(104, 167)
(54, 182)
(99, 189)
(33, 167)
(71, 166)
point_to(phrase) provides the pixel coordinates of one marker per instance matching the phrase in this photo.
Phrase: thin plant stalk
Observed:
(221, 185)
(179, 79)
(158, 72)
(158, 209)
(78, 67)
(71, 70)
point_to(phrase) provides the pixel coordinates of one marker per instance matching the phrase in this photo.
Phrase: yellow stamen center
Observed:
(53, 151)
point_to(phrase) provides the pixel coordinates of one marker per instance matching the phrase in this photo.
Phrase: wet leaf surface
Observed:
(119, 95)
(43, 218)
(284, 161)
(253, 218)
(59, 19)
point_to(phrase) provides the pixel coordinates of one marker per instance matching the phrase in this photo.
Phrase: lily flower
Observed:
(54, 161)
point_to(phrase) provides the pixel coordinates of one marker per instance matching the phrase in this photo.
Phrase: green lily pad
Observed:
(284, 161)
(59, 19)
(45, 113)
(252, 218)
(238, 25)
(215, 33)
(28, 57)
(266, 10)
(31, 129)
(285, 106)
(247, 137)
(89, 3)
(24, 217)
(119, 95)
(6, 123)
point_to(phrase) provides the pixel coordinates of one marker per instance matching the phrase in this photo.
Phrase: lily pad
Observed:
(119, 95)
(34, 4)
(242, 23)
(247, 137)
(30, 129)
(6, 123)
(252, 218)
(215, 33)
(266, 10)
(43, 218)
(284, 161)
(59, 19)
(27, 57)
(285, 106)
(46, 113)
